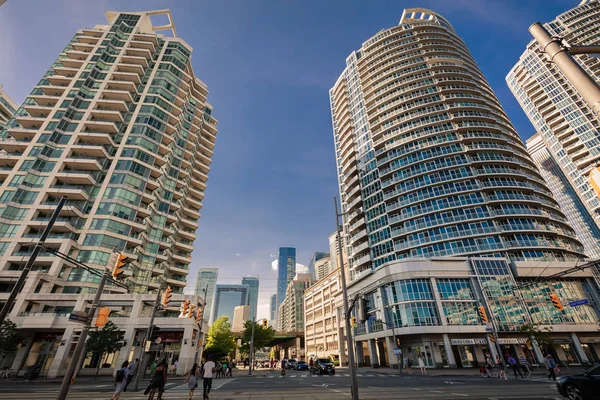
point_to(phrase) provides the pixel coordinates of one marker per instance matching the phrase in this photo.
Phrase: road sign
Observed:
(79, 316)
(579, 302)
(397, 351)
(489, 329)
(372, 318)
(564, 301)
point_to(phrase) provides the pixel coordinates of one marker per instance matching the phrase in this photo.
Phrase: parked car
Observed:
(323, 366)
(291, 364)
(581, 386)
(301, 366)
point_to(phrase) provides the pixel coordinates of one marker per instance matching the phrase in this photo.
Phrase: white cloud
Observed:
(300, 268)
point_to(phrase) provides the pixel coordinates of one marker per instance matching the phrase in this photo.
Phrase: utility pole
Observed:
(351, 361)
(561, 55)
(142, 369)
(34, 254)
(201, 323)
(75, 360)
(251, 349)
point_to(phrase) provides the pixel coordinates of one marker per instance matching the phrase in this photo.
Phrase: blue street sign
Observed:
(579, 302)
(372, 318)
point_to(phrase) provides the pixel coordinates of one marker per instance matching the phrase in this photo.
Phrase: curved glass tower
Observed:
(428, 162)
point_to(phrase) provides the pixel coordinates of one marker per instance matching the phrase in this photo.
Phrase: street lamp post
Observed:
(252, 347)
(349, 347)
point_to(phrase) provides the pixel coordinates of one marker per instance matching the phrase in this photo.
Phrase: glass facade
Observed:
(252, 284)
(286, 270)
(568, 127)
(428, 163)
(206, 283)
(227, 297)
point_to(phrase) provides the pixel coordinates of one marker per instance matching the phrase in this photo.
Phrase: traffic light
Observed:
(492, 338)
(167, 296)
(556, 302)
(102, 316)
(121, 261)
(354, 324)
(482, 314)
(184, 309)
(199, 314)
(191, 312)
(265, 323)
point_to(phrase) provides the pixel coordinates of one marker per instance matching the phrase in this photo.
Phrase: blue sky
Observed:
(269, 65)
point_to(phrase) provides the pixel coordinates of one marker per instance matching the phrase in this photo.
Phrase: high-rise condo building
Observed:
(273, 310)
(227, 298)
(444, 212)
(252, 284)
(286, 270)
(317, 262)
(206, 282)
(429, 164)
(334, 252)
(290, 316)
(566, 124)
(121, 126)
(577, 213)
(7, 107)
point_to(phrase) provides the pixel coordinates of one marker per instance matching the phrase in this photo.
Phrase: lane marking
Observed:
(436, 391)
(460, 394)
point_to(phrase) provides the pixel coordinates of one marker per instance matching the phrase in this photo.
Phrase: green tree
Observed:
(263, 337)
(220, 342)
(104, 341)
(541, 335)
(10, 339)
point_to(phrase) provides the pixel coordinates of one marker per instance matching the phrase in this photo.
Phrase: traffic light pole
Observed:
(75, 360)
(201, 323)
(142, 369)
(349, 347)
(34, 254)
(251, 349)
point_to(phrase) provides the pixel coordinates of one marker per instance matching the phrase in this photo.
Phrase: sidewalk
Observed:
(457, 371)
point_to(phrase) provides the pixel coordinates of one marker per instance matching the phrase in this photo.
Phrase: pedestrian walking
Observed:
(159, 380)
(207, 376)
(551, 365)
(175, 365)
(192, 380)
(515, 367)
(405, 365)
(525, 366)
(219, 369)
(131, 371)
(229, 369)
(422, 364)
(501, 368)
(121, 380)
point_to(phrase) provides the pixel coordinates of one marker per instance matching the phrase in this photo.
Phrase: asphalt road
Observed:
(301, 385)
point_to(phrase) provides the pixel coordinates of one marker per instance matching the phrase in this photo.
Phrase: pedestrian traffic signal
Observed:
(354, 324)
(556, 302)
(184, 309)
(492, 338)
(482, 314)
(265, 323)
(102, 318)
(191, 312)
(122, 260)
(167, 296)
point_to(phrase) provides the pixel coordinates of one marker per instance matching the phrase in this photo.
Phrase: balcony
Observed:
(122, 76)
(101, 126)
(72, 192)
(135, 60)
(117, 95)
(88, 151)
(104, 115)
(83, 163)
(24, 134)
(69, 72)
(75, 177)
(100, 138)
(14, 146)
(131, 68)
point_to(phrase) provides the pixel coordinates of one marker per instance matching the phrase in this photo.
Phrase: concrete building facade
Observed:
(322, 268)
(429, 164)
(291, 311)
(241, 314)
(7, 107)
(566, 124)
(120, 125)
(578, 215)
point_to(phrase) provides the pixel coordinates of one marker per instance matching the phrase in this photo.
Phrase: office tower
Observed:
(273, 310)
(252, 284)
(566, 124)
(291, 311)
(316, 263)
(578, 215)
(429, 164)
(227, 298)
(241, 314)
(7, 107)
(206, 282)
(286, 270)
(119, 125)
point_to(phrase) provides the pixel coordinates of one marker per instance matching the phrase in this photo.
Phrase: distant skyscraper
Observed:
(429, 165)
(273, 310)
(322, 268)
(7, 106)
(252, 284)
(566, 124)
(578, 215)
(318, 256)
(207, 281)
(291, 311)
(286, 270)
(227, 298)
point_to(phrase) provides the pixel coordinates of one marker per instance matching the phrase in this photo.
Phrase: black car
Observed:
(322, 366)
(581, 386)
